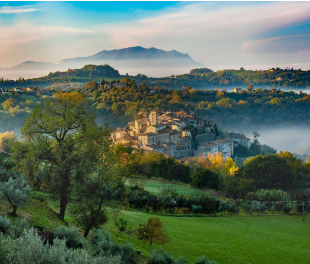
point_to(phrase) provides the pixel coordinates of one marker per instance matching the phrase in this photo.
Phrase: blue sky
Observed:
(254, 35)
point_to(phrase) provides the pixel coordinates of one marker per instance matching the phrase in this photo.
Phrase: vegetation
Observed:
(152, 232)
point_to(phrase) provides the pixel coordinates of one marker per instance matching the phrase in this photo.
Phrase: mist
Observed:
(295, 139)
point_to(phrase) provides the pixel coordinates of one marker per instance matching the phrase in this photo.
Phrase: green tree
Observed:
(62, 144)
(269, 172)
(16, 191)
(205, 178)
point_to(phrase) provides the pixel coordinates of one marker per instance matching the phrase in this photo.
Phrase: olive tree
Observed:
(16, 191)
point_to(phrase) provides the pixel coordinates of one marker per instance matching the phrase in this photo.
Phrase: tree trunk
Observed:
(63, 205)
(150, 248)
(14, 210)
(86, 232)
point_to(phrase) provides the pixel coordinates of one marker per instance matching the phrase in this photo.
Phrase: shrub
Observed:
(102, 243)
(204, 260)
(21, 227)
(271, 195)
(128, 254)
(181, 260)
(160, 256)
(223, 206)
(29, 248)
(197, 209)
(5, 224)
(71, 235)
(183, 210)
(258, 207)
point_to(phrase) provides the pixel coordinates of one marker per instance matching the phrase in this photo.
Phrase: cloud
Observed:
(200, 21)
(16, 10)
(279, 44)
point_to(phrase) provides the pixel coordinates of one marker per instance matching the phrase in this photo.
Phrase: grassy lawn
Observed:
(156, 186)
(37, 214)
(231, 239)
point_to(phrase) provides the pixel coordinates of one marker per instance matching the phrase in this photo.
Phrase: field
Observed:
(156, 187)
(230, 239)
(239, 239)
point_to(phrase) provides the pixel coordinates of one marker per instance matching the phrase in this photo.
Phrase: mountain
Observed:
(33, 66)
(127, 58)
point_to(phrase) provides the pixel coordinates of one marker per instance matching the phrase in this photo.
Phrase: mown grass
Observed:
(156, 186)
(230, 239)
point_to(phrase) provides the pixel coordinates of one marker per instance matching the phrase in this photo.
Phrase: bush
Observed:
(102, 243)
(160, 256)
(29, 248)
(181, 260)
(205, 178)
(197, 209)
(5, 224)
(71, 235)
(128, 254)
(38, 197)
(204, 260)
(21, 227)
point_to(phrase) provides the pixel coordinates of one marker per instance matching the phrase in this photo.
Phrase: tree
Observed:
(16, 191)
(250, 87)
(89, 210)
(5, 139)
(152, 232)
(270, 171)
(8, 103)
(214, 162)
(62, 144)
(205, 178)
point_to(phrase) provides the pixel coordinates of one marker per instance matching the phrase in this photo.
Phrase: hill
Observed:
(126, 58)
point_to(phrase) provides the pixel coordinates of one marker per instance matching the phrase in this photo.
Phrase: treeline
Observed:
(168, 201)
(273, 78)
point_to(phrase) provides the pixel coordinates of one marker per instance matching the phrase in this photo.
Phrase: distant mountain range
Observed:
(128, 58)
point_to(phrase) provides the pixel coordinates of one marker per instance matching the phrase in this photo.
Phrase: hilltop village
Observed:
(170, 133)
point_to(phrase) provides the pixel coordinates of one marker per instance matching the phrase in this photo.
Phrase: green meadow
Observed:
(230, 239)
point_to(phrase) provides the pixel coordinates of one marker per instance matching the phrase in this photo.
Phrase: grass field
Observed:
(231, 239)
(156, 187)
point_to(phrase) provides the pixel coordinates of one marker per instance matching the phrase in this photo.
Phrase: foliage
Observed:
(205, 178)
(5, 224)
(103, 245)
(269, 172)
(160, 256)
(16, 191)
(5, 139)
(29, 248)
(62, 143)
(152, 232)
(128, 254)
(271, 195)
(71, 235)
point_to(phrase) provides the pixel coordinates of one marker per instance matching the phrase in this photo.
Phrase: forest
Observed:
(205, 78)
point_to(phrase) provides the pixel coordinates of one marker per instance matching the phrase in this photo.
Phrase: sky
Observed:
(220, 35)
